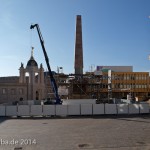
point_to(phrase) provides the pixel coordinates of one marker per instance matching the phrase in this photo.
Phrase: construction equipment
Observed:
(52, 79)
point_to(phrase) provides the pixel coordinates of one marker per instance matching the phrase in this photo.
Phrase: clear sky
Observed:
(115, 32)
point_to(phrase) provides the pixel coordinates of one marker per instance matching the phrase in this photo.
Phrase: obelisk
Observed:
(78, 64)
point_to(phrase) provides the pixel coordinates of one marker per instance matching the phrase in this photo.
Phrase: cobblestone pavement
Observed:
(76, 133)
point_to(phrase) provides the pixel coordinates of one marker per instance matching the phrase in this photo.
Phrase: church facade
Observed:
(27, 86)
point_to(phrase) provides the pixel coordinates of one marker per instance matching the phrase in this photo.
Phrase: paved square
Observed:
(106, 133)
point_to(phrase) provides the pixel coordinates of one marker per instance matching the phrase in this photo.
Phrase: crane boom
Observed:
(52, 79)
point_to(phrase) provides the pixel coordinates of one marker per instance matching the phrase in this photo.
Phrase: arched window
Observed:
(36, 77)
(37, 95)
(27, 76)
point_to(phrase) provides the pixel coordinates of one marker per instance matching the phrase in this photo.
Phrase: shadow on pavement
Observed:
(3, 119)
(136, 118)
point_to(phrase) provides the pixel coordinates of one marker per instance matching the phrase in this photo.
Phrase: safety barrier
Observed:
(2, 110)
(49, 110)
(36, 110)
(11, 111)
(98, 109)
(86, 109)
(122, 108)
(61, 110)
(74, 109)
(23, 110)
(134, 109)
(144, 108)
(110, 109)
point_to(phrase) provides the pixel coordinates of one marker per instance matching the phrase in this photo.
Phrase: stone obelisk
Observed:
(78, 64)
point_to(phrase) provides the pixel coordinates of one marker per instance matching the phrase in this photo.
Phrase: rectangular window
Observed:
(133, 86)
(121, 86)
(12, 91)
(128, 86)
(124, 86)
(112, 86)
(20, 91)
(4, 91)
(132, 77)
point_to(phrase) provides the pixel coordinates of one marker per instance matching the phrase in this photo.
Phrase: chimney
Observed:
(78, 64)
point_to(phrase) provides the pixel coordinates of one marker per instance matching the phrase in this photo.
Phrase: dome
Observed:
(32, 62)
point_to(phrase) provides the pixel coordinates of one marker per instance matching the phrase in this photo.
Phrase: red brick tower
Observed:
(78, 64)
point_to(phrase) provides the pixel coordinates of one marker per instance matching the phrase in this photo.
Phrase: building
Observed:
(125, 81)
(29, 85)
(103, 83)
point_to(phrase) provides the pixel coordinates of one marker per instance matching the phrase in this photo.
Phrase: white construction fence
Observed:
(73, 109)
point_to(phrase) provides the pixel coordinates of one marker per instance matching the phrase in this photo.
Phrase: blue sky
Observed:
(115, 32)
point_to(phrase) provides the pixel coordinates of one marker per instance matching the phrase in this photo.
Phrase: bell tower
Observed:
(34, 79)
